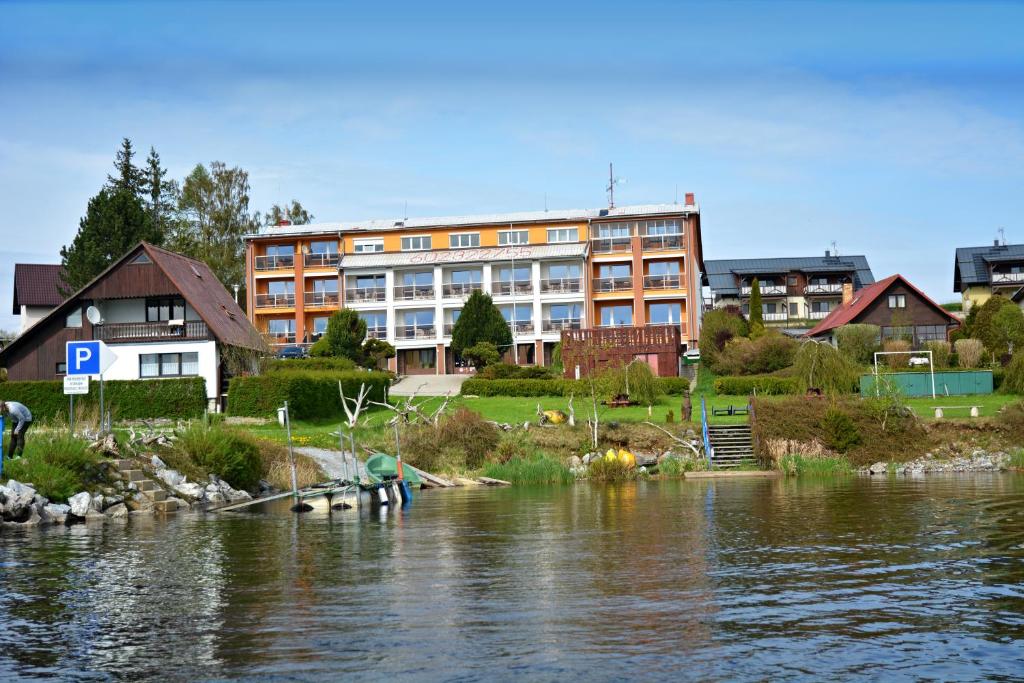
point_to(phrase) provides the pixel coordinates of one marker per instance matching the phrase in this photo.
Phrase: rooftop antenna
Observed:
(405, 215)
(545, 202)
(1002, 236)
(675, 197)
(835, 248)
(612, 182)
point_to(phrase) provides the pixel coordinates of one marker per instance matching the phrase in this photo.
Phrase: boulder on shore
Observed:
(879, 468)
(80, 504)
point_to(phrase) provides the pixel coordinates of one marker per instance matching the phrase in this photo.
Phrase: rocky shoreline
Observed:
(976, 461)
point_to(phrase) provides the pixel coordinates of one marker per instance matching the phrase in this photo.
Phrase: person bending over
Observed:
(21, 420)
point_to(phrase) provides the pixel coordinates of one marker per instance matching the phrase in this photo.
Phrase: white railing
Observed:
(831, 288)
(774, 317)
(817, 315)
(766, 290)
(1011, 278)
(415, 332)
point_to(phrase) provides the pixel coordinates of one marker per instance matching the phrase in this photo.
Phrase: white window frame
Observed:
(454, 237)
(522, 237)
(897, 301)
(359, 246)
(408, 239)
(556, 231)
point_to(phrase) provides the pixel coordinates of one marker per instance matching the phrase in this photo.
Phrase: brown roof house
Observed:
(162, 314)
(899, 308)
(37, 291)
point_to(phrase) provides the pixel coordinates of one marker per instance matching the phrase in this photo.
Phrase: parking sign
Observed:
(88, 358)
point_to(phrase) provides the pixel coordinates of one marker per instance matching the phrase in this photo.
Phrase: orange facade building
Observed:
(547, 271)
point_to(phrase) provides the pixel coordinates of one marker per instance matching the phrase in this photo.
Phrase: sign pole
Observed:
(71, 414)
(103, 418)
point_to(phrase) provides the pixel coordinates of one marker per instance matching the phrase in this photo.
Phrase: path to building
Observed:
(428, 385)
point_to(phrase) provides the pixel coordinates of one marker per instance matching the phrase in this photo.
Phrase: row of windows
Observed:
(570, 271)
(655, 268)
(793, 308)
(461, 240)
(657, 314)
(157, 310)
(168, 365)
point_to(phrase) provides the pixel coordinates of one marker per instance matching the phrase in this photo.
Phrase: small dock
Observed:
(732, 474)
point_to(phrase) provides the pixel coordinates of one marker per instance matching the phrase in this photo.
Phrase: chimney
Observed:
(827, 253)
(847, 292)
(995, 243)
(283, 222)
(689, 199)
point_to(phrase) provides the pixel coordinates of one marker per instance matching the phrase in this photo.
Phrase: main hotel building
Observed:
(547, 271)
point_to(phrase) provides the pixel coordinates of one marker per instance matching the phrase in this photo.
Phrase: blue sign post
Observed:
(90, 358)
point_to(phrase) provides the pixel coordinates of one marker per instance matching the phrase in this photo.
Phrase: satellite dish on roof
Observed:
(93, 314)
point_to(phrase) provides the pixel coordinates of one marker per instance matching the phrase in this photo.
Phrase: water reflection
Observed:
(755, 579)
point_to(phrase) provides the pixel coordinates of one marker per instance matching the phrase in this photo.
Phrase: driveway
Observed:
(428, 385)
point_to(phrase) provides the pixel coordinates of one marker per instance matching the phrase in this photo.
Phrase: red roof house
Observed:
(899, 308)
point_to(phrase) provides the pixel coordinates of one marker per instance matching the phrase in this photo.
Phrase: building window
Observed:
(369, 281)
(902, 332)
(821, 306)
(653, 228)
(509, 237)
(791, 280)
(282, 329)
(794, 309)
(422, 279)
(281, 287)
(324, 286)
(566, 271)
(515, 274)
(62, 368)
(162, 310)
(319, 327)
(897, 301)
(615, 270)
(566, 311)
(281, 250)
(141, 260)
(556, 235)
(169, 364)
(427, 358)
(464, 240)
(931, 333)
(615, 230)
(745, 309)
(369, 246)
(665, 314)
(417, 243)
(375, 319)
(520, 314)
(74, 318)
(616, 316)
(323, 247)
(663, 268)
(769, 308)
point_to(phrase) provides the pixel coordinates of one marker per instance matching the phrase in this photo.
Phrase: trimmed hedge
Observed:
(183, 397)
(319, 363)
(309, 394)
(673, 386)
(766, 385)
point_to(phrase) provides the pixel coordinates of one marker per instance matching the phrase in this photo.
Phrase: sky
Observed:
(893, 129)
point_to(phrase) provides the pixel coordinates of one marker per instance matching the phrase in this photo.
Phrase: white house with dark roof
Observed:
(37, 291)
(980, 272)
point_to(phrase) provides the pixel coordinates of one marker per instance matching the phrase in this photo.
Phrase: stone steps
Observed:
(130, 472)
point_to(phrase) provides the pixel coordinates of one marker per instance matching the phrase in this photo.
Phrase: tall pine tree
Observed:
(128, 176)
(756, 313)
(161, 193)
(480, 321)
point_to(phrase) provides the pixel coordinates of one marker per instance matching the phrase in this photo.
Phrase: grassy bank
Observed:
(58, 465)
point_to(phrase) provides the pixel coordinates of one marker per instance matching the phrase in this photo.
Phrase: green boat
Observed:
(381, 466)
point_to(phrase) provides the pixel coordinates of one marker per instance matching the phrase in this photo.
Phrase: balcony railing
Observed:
(415, 332)
(376, 333)
(817, 315)
(1007, 278)
(559, 324)
(448, 329)
(521, 326)
(320, 260)
(679, 326)
(279, 339)
(829, 288)
(563, 285)
(458, 289)
(409, 292)
(613, 284)
(774, 317)
(275, 300)
(662, 282)
(321, 299)
(275, 262)
(507, 287)
(611, 245)
(120, 332)
(766, 290)
(656, 242)
(357, 294)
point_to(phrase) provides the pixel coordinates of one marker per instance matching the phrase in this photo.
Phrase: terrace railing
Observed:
(507, 287)
(320, 260)
(415, 331)
(566, 285)
(275, 262)
(408, 292)
(610, 245)
(459, 289)
(150, 331)
(275, 300)
(321, 299)
(830, 288)
(662, 281)
(613, 284)
(559, 324)
(658, 242)
(358, 294)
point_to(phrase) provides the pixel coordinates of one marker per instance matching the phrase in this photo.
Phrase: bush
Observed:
(58, 465)
(635, 380)
(770, 352)
(231, 455)
(1012, 381)
(717, 328)
(477, 386)
(900, 346)
(674, 386)
(481, 354)
(510, 371)
(605, 470)
(940, 352)
(841, 433)
(310, 394)
(821, 367)
(316, 364)
(765, 385)
(858, 342)
(469, 432)
(968, 352)
(183, 397)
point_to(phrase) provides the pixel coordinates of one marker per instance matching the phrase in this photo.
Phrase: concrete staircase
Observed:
(733, 445)
(131, 472)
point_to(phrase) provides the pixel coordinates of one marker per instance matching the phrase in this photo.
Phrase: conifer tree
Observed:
(756, 314)
(480, 321)
(128, 176)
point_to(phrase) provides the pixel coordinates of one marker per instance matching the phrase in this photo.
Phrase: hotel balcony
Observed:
(521, 327)
(766, 290)
(455, 290)
(321, 299)
(275, 262)
(817, 315)
(662, 282)
(359, 294)
(448, 328)
(559, 324)
(659, 242)
(415, 331)
(1007, 278)
(150, 331)
(570, 285)
(831, 288)
(509, 287)
(414, 292)
(320, 261)
(774, 317)
(376, 333)
(275, 301)
(279, 339)
(611, 245)
(612, 284)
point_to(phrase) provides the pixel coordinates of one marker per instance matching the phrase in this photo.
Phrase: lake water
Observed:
(881, 579)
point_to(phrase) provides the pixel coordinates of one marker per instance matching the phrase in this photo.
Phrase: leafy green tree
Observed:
(128, 176)
(859, 342)
(718, 327)
(376, 351)
(1007, 330)
(480, 321)
(983, 327)
(115, 221)
(819, 366)
(756, 314)
(214, 206)
(293, 213)
(345, 334)
(482, 354)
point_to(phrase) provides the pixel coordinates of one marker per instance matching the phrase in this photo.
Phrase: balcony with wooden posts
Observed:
(595, 349)
(824, 289)
(1007, 277)
(766, 290)
(123, 333)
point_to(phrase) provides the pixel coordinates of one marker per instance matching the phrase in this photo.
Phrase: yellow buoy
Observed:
(627, 458)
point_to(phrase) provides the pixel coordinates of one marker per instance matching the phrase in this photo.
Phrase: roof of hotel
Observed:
(849, 312)
(554, 216)
(971, 264)
(479, 254)
(721, 274)
(37, 284)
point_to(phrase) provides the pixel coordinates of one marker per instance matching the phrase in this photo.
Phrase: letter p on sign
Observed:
(88, 358)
